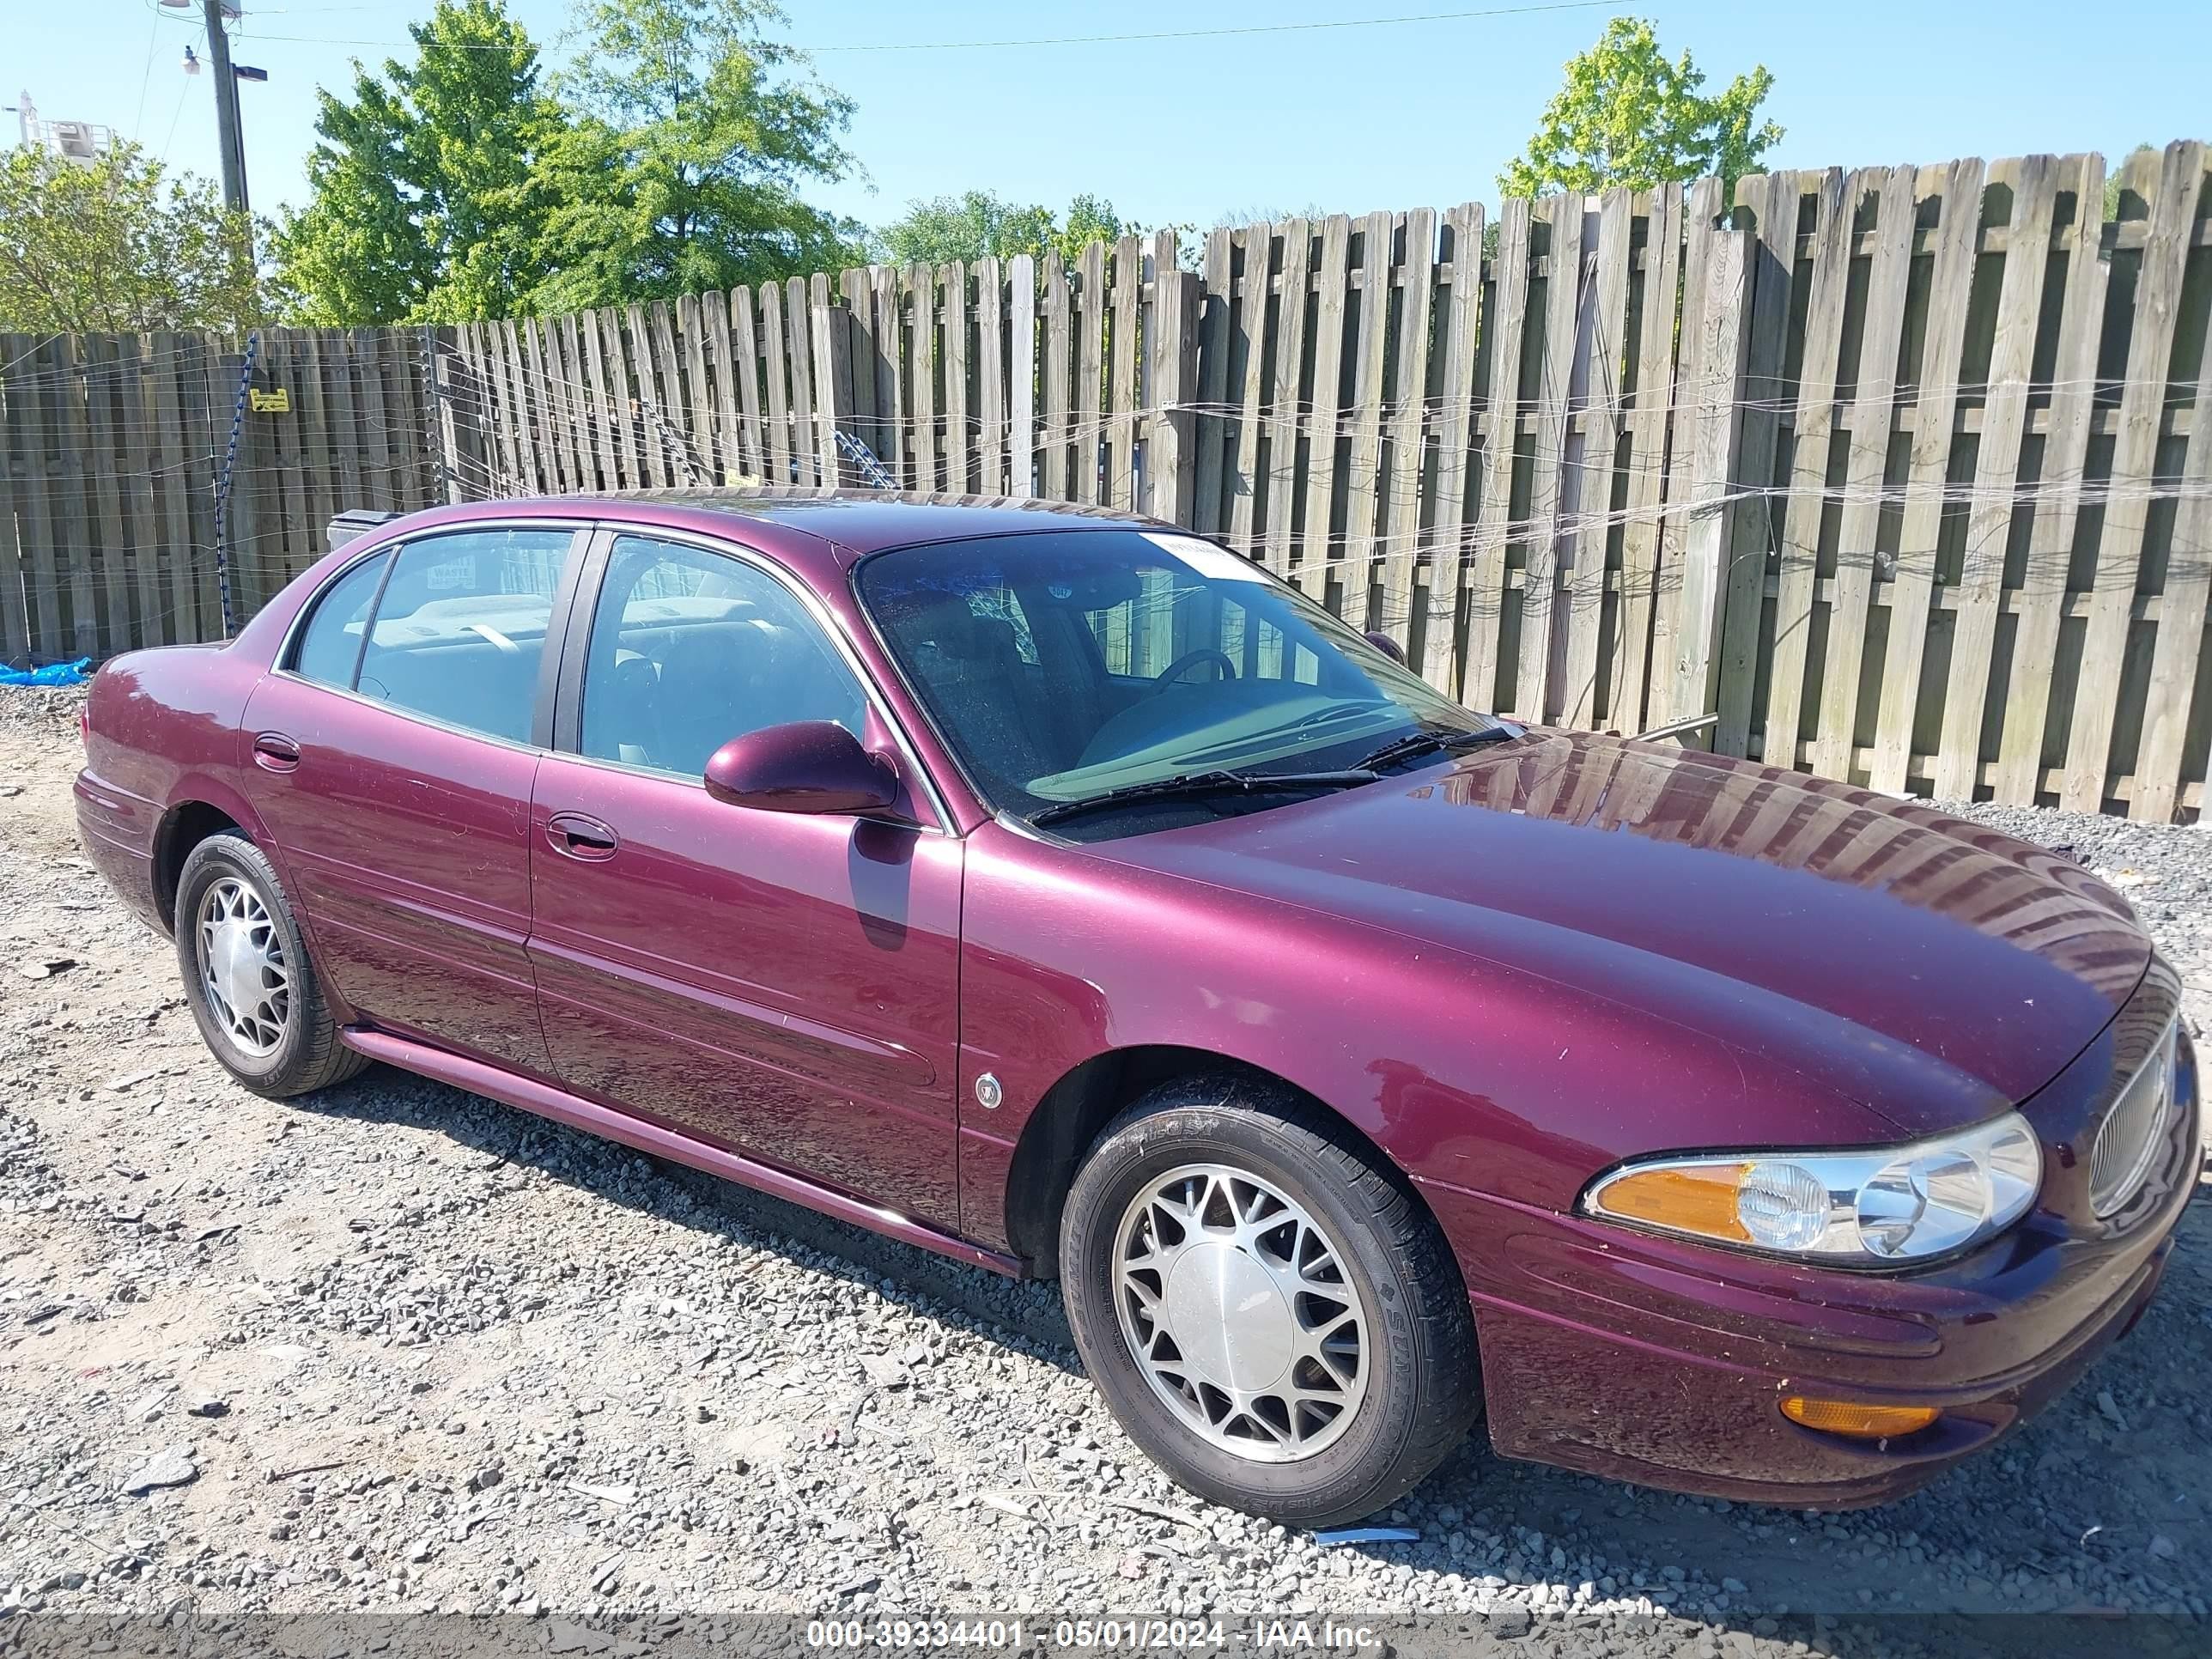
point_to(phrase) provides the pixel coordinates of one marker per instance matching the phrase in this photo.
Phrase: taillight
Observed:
(84, 724)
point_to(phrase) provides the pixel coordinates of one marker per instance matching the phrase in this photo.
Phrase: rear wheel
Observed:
(1271, 1314)
(251, 988)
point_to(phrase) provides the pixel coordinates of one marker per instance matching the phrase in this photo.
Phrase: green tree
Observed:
(682, 169)
(2112, 178)
(1237, 218)
(973, 225)
(427, 206)
(112, 247)
(1091, 219)
(1627, 116)
(977, 224)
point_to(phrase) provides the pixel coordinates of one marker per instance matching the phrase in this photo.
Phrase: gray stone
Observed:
(1510, 1621)
(172, 1466)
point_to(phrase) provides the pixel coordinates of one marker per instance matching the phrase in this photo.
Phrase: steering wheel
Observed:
(1191, 658)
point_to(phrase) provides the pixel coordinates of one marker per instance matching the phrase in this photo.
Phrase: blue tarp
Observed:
(54, 673)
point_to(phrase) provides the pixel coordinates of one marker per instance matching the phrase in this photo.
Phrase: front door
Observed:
(392, 762)
(782, 984)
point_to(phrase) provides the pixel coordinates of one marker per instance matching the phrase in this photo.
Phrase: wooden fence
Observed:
(112, 447)
(1900, 473)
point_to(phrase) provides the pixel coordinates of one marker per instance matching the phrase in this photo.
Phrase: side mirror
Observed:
(807, 766)
(1388, 647)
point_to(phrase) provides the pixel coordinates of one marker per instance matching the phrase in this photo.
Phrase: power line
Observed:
(176, 115)
(145, 80)
(1213, 33)
(1223, 32)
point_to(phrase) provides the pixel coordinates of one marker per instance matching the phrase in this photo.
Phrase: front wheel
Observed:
(1270, 1314)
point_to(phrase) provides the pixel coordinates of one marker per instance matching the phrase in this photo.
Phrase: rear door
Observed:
(783, 984)
(394, 752)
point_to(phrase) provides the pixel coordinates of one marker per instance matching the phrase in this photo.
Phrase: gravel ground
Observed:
(395, 1349)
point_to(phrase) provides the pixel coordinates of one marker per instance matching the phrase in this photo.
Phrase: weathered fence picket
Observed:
(110, 451)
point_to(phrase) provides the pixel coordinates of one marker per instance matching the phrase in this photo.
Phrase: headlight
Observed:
(1857, 1208)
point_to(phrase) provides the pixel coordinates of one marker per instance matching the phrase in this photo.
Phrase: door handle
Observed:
(579, 836)
(275, 752)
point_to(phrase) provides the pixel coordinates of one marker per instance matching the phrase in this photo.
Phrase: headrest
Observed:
(721, 655)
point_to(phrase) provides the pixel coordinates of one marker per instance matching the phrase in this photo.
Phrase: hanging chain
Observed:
(671, 440)
(222, 484)
(861, 456)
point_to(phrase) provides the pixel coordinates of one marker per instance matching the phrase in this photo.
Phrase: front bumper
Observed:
(1660, 1362)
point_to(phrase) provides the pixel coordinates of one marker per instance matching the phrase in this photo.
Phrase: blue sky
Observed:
(1175, 130)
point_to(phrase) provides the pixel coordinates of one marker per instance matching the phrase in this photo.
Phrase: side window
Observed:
(330, 645)
(460, 631)
(689, 649)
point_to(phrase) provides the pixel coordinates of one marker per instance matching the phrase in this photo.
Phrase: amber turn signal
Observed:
(1700, 1200)
(1860, 1422)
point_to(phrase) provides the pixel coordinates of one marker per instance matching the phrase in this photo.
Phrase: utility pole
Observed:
(233, 136)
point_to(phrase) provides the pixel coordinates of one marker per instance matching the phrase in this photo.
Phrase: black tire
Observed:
(308, 1055)
(1423, 1389)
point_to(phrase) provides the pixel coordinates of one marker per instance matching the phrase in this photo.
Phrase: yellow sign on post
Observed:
(278, 402)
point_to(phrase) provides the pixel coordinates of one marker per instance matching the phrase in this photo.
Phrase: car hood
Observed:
(1930, 968)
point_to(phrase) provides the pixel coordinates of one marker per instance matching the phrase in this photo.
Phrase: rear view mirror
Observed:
(807, 766)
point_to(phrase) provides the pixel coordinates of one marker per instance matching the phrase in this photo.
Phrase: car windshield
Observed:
(1065, 666)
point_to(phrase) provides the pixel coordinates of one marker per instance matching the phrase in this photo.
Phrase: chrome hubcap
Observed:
(1239, 1312)
(242, 968)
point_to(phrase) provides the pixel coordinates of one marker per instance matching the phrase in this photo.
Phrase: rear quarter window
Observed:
(329, 647)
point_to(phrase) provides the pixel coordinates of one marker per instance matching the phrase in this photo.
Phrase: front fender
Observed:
(1462, 1069)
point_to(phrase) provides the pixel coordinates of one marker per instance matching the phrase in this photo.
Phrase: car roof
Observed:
(852, 522)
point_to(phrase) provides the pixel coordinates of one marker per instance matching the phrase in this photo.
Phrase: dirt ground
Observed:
(398, 1349)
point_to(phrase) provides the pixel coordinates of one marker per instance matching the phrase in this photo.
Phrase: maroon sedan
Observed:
(1067, 895)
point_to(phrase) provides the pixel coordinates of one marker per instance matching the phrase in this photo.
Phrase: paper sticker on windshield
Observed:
(1215, 563)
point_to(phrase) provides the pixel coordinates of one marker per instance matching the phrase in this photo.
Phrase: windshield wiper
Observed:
(1196, 784)
(1422, 743)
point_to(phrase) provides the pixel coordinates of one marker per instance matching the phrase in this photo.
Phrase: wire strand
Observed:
(844, 47)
